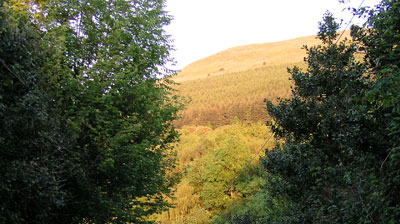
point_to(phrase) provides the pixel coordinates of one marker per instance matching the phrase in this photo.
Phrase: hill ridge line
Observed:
(250, 56)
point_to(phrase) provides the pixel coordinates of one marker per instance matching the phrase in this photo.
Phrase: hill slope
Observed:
(247, 57)
(235, 82)
(212, 159)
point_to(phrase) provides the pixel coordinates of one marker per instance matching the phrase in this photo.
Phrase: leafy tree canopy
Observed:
(87, 97)
(339, 161)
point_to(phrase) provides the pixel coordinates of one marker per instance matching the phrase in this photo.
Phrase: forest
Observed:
(94, 129)
(217, 100)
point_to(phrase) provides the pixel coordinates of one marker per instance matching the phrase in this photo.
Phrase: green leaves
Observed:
(33, 144)
(103, 85)
(328, 29)
(339, 128)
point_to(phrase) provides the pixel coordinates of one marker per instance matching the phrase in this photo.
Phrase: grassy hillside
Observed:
(247, 57)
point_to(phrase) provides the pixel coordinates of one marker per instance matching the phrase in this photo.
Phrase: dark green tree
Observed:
(33, 143)
(380, 44)
(336, 141)
(108, 76)
(104, 72)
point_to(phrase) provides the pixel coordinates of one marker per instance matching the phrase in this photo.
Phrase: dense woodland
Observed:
(220, 169)
(85, 113)
(88, 114)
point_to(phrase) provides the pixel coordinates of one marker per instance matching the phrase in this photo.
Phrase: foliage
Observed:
(380, 43)
(217, 173)
(339, 161)
(33, 144)
(102, 71)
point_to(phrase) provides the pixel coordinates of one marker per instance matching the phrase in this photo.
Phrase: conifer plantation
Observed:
(94, 127)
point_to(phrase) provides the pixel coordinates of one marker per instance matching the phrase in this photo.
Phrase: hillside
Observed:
(218, 154)
(235, 82)
(242, 58)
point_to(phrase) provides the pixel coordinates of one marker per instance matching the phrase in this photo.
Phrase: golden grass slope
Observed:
(247, 57)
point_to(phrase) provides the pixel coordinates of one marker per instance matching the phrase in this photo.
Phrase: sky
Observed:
(201, 28)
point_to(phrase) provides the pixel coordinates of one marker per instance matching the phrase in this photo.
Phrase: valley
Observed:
(223, 127)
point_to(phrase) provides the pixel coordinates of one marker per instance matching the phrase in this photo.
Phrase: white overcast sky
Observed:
(204, 27)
